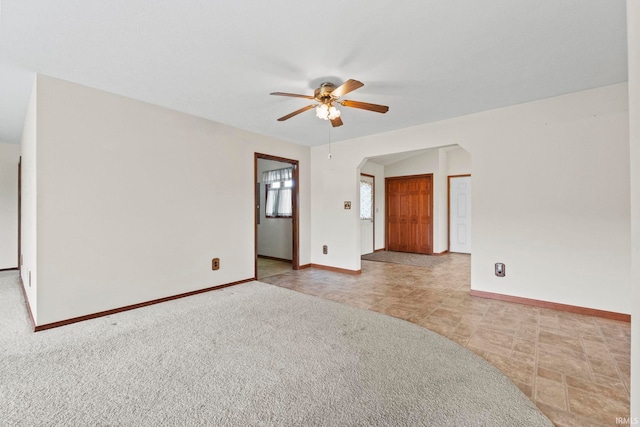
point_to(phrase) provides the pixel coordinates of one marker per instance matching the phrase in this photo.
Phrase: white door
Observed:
(460, 214)
(366, 214)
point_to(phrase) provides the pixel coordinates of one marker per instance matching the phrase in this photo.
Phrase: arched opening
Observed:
(443, 165)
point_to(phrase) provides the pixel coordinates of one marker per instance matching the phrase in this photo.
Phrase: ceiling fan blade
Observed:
(295, 113)
(294, 95)
(346, 87)
(336, 122)
(365, 106)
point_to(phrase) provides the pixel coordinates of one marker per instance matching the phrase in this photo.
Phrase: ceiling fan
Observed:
(327, 95)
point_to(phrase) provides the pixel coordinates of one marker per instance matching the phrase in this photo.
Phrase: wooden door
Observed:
(410, 214)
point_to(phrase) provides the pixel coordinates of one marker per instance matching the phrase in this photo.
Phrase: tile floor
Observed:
(574, 367)
(270, 267)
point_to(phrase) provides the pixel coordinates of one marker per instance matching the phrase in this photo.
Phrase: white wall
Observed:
(440, 181)
(135, 200)
(458, 161)
(377, 170)
(633, 28)
(274, 234)
(550, 196)
(29, 244)
(9, 158)
(419, 164)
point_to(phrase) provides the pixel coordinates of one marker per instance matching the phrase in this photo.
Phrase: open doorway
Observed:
(276, 215)
(367, 217)
(439, 163)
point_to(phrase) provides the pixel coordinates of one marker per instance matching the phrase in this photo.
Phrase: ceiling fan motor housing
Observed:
(323, 93)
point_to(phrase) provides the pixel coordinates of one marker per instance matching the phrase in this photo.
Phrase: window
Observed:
(279, 190)
(366, 200)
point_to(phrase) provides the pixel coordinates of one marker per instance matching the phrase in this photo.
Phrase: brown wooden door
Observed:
(409, 214)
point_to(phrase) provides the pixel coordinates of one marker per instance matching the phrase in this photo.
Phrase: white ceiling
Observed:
(426, 59)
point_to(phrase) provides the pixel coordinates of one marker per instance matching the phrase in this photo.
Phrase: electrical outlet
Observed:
(500, 269)
(215, 264)
(325, 249)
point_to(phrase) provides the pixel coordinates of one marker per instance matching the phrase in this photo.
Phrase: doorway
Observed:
(276, 215)
(409, 213)
(460, 214)
(367, 216)
(20, 216)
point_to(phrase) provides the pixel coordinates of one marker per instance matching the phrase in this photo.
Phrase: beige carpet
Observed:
(419, 260)
(252, 354)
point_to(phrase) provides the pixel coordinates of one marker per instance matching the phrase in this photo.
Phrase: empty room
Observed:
(278, 213)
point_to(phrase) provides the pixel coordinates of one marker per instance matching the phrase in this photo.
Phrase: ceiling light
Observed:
(327, 112)
(322, 112)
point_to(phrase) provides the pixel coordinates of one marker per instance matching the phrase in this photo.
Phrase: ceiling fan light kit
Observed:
(327, 95)
(324, 112)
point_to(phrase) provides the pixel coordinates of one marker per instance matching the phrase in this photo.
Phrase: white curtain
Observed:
(279, 192)
(272, 197)
(285, 207)
(276, 175)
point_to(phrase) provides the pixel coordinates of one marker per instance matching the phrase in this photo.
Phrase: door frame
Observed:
(449, 207)
(20, 215)
(387, 206)
(373, 201)
(295, 221)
